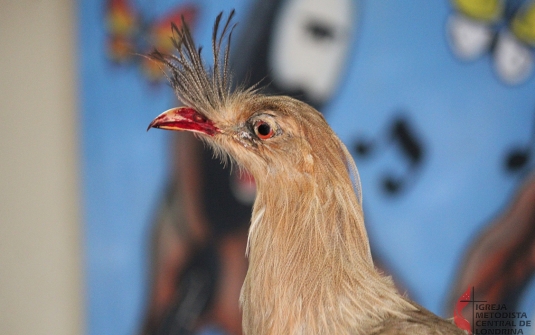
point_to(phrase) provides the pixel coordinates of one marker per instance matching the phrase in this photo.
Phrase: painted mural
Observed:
(435, 100)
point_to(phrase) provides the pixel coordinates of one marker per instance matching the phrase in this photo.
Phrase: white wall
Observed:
(41, 290)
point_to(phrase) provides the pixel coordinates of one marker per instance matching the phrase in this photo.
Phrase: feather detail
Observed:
(207, 89)
(257, 216)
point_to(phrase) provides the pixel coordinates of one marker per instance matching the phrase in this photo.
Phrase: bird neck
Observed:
(309, 260)
(307, 216)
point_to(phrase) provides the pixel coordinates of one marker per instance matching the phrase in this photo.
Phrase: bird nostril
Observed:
(198, 118)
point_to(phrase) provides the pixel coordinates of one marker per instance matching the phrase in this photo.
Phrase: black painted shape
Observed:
(519, 158)
(319, 30)
(402, 135)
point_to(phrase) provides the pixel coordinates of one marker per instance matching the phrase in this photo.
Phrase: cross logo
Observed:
(467, 297)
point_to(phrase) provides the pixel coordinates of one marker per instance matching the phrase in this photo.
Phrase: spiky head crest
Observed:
(205, 88)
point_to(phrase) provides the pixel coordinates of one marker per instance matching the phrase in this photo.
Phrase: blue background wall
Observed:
(401, 63)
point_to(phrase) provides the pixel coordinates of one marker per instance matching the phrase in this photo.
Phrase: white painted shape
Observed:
(301, 60)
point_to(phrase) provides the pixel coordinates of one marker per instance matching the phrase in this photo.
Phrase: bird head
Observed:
(267, 135)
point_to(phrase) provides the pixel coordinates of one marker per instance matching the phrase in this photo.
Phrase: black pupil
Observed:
(264, 129)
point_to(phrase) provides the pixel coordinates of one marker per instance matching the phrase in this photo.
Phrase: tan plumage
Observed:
(310, 266)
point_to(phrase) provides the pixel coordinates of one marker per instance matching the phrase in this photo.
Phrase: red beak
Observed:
(184, 118)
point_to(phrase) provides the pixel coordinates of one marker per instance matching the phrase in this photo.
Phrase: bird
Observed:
(310, 266)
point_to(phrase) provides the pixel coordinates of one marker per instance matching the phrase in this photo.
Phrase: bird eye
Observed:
(263, 130)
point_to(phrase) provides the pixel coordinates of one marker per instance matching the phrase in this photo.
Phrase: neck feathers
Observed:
(310, 268)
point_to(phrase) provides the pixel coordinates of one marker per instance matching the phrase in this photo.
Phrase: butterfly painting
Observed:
(131, 34)
(504, 29)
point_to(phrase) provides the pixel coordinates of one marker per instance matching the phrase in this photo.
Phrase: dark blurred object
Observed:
(197, 271)
(195, 292)
(402, 136)
(500, 262)
(518, 159)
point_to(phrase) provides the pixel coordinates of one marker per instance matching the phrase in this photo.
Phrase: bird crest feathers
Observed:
(205, 88)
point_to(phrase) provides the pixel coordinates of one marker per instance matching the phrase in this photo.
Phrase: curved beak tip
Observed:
(157, 121)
